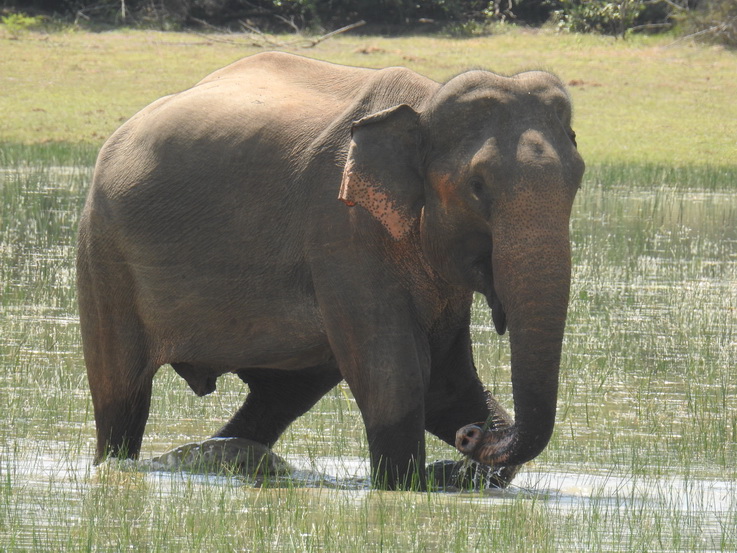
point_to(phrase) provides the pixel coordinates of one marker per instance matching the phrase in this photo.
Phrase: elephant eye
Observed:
(572, 136)
(480, 196)
(477, 188)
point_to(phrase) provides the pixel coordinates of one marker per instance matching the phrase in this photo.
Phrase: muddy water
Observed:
(647, 423)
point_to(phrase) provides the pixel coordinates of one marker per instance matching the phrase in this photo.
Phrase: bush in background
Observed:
(600, 16)
(706, 19)
(15, 24)
(713, 21)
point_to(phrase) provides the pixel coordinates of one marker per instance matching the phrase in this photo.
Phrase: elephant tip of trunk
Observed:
(486, 447)
(468, 438)
(495, 447)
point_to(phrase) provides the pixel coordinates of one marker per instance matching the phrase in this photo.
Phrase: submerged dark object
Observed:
(468, 475)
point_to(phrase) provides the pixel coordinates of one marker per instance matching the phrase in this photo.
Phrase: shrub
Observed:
(712, 21)
(15, 24)
(600, 16)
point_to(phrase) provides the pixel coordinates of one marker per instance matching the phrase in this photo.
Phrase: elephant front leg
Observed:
(276, 399)
(386, 372)
(382, 352)
(397, 448)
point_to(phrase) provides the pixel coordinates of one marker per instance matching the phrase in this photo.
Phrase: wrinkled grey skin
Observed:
(214, 239)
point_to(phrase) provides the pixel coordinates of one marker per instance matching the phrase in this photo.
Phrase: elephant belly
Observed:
(229, 323)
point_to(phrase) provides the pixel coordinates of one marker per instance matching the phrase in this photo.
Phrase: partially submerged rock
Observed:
(221, 455)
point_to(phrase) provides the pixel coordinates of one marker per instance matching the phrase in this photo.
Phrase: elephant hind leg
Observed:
(120, 380)
(121, 420)
(119, 371)
(276, 399)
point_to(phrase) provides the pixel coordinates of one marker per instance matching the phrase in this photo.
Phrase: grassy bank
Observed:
(643, 101)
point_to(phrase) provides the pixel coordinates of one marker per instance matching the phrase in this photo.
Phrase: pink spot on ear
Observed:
(445, 189)
(358, 188)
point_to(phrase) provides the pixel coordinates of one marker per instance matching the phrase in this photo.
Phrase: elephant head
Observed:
(484, 174)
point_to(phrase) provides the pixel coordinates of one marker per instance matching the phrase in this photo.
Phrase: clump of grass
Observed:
(47, 155)
(656, 175)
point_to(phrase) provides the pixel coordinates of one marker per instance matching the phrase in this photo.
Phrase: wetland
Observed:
(643, 456)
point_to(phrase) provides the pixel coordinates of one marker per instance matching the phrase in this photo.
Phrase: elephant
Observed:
(300, 223)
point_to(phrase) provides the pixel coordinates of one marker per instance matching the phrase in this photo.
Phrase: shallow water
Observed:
(645, 451)
(671, 509)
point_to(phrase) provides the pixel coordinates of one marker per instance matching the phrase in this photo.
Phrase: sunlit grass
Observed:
(654, 175)
(643, 100)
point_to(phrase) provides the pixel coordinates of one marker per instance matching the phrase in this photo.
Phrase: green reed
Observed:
(651, 175)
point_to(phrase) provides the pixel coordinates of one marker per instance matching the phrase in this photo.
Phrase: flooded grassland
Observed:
(644, 457)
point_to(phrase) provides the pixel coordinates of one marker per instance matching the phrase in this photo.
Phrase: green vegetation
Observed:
(15, 24)
(712, 20)
(613, 18)
(639, 101)
(644, 455)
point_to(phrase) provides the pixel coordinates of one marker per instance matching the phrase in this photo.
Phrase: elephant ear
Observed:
(382, 173)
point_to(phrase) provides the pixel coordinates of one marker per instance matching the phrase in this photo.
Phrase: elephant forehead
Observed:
(479, 96)
(538, 81)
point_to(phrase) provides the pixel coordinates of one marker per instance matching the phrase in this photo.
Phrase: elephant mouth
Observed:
(484, 270)
(497, 314)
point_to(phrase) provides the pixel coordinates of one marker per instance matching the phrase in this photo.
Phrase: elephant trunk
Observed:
(532, 272)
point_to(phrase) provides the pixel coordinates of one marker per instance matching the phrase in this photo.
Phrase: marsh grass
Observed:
(699, 177)
(642, 459)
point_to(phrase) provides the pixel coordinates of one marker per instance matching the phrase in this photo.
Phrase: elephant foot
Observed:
(220, 456)
(468, 475)
(244, 457)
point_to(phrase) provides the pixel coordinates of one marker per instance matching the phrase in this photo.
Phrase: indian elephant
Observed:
(298, 223)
